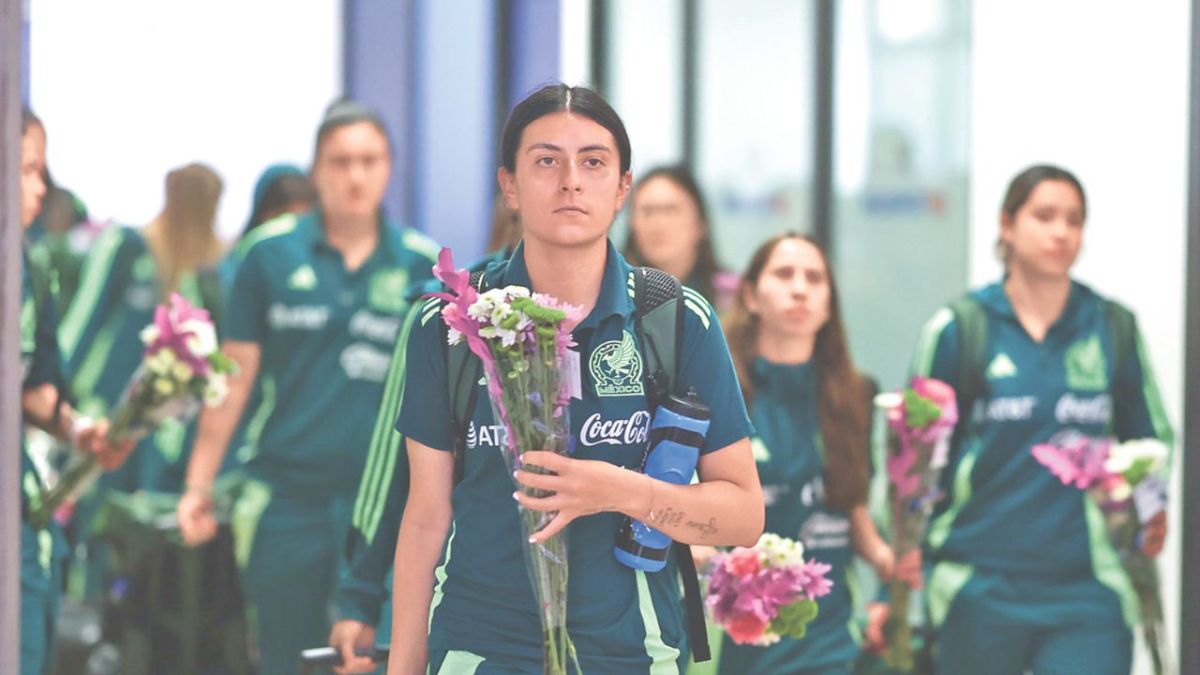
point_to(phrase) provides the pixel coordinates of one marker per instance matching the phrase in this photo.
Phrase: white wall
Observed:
(130, 89)
(1102, 89)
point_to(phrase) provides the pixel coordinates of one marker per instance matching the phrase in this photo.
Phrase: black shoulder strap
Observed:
(1122, 330)
(971, 322)
(463, 369)
(658, 317)
(658, 314)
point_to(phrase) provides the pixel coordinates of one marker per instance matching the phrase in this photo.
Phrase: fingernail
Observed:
(516, 496)
(533, 540)
(515, 472)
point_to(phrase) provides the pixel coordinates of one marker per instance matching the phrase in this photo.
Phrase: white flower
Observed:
(203, 340)
(164, 386)
(1148, 450)
(149, 334)
(161, 362)
(182, 372)
(453, 337)
(888, 400)
(516, 291)
(487, 304)
(216, 391)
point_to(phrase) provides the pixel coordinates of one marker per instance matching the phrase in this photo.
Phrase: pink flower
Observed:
(1075, 459)
(940, 393)
(169, 332)
(745, 628)
(815, 583)
(743, 562)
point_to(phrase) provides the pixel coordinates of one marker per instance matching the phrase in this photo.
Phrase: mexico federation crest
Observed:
(1086, 367)
(386, 292)
(616, 367)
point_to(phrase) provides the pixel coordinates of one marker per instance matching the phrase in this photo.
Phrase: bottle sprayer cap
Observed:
(691, 406)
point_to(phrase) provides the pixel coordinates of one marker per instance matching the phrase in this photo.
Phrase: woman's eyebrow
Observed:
(554, 148)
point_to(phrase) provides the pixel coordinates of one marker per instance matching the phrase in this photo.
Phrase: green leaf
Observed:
(919, 411)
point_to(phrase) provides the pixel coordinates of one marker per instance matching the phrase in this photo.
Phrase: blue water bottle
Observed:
(675, 439)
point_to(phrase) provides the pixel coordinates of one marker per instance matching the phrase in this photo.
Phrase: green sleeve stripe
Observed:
(97, 269)
(851, 580)
(947, 579)
(395, 442)
(698, 312)
(439, 575)
(255, 428)
(272, 228)
(699, 299)
(430, 309)
(931, 334)
(420, 244)
(662, 656)
(84, 381)
(385, 440)
(939, 529)
(1154, 404)
(1106, 562)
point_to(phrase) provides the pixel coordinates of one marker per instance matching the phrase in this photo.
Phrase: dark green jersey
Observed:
(621, 620)
(326, 336)
(789, 453)
(1005, 513)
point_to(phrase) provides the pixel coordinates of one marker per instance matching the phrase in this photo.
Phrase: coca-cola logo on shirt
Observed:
(631, 431)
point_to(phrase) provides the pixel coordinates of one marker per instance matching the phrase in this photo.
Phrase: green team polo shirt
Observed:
(326, 335)
(622, 621)
(1004, 512)
(790, 456)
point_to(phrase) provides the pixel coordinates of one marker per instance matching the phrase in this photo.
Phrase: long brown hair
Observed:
(183, 237)
(843, 394)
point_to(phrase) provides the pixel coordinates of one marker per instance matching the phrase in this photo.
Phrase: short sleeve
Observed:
(707, 368)
(425, 407)
(245, 312)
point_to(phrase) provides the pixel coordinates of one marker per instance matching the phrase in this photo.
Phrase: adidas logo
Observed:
(303, 279)
(1001, 367)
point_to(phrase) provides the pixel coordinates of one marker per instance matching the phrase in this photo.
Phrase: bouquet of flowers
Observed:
(1123, 481)
(920, 422)
(522, 339)
(761, 594)
(181, 371)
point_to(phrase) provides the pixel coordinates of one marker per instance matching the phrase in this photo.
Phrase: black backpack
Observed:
(658, 319)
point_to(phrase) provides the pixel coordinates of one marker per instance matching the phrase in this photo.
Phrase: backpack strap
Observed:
(1122, 330)
(658, 315)
(463, 370)
(971, 322)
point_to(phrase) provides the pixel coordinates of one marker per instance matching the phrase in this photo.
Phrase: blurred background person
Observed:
(1021, 579)
(812, 412)
(315, 309)
(127, 274)
(669, 229)
(44, 405)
